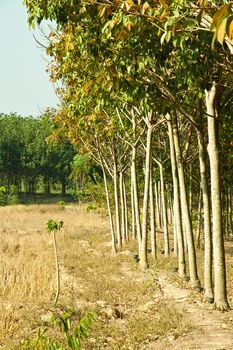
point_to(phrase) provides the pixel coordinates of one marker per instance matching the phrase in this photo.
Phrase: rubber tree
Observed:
(185, 208)
(208, 282)
(177, 205)
(213, 96)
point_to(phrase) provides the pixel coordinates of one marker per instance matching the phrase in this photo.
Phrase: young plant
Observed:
(61, 205)
(72, 335)
(52, 227)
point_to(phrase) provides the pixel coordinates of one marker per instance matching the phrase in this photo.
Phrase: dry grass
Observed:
(127, 301)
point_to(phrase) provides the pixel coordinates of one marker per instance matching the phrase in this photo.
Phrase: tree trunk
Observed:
(63, 184)
(199, 219)
(230, 210)
(158, 221)
(123, 233)
(136, 200)
(191, 189)
(116, 197)
(152, 218)
(113, 239)
(143, 248)
(164, 211)
(177, 209)
(126, 210)
(133, 223)
(208, 282)
(220, 297)
(185, 210)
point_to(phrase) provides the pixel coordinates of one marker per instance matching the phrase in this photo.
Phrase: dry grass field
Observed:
(128, 302)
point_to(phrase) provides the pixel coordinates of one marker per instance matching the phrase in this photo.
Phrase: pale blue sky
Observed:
(24, 85)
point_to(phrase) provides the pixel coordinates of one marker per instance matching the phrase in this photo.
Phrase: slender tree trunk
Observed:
(199, 219)
(113, 239)
(191, 189)
(63, 183)
(136, 200)
(116, 197)
(123, 234)
(177, 209)
(164, 211)
(143, 248)
(185, 210)
(158, 221)
(152, 218)
(208, 280)
(160, 206)
(220, 296)
(57, 269)
(230, 210)
(126, 211)
(133, 223)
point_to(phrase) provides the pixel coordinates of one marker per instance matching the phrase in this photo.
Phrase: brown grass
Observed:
(91, 279)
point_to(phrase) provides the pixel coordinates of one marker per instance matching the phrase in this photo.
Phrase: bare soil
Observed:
(213, 330)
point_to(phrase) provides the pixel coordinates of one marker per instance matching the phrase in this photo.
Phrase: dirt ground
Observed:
(135, 310)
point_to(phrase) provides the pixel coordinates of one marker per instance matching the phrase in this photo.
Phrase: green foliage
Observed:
(53, 226)
(25, 152)
(13, 199)
(90, 207)
(61, 205)
(3, 196)
(73, 335)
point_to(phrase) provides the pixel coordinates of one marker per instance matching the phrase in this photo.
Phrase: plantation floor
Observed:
(135, 310)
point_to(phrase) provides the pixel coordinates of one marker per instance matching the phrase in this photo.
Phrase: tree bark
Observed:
(133, 223)
(136, 200)
(113, 239)
(164, 211)
(185, 209)
(208, 282)
(143, 248)
(116, 197)
(220, 297)
(158, 221)
(123, 234)
(126, 210)
(152, 218)
(177, 209)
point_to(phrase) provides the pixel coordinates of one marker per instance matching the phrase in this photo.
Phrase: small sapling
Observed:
(52, 227)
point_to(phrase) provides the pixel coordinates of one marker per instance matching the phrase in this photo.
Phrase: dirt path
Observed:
(212, 330)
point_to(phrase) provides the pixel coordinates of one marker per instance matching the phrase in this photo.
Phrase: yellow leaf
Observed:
(122, 35)
(129, 4)
(102, 10)
(113, 22)
(221, 31)
(164, 15)
(87, 85)
(129, 25)
(224, 11)
(230, 27)
(145, 7)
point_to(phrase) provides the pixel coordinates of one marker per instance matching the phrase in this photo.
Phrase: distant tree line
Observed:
(27, 160)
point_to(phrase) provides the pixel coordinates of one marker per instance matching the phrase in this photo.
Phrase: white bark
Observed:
(220, 297)
(177, 209)
(143, 248)
(185, 210)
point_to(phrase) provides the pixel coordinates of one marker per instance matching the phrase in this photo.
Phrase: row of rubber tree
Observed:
(146, 89)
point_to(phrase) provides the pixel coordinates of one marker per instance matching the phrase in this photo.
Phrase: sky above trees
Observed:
(25, 87)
